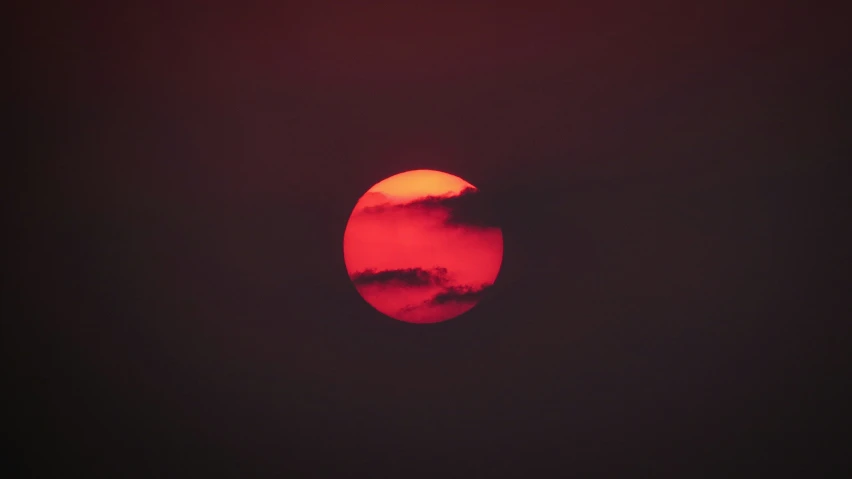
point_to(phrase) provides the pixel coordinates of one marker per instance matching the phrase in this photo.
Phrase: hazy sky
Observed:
(666, 178)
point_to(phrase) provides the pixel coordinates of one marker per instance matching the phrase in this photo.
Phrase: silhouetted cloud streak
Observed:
(452, 295)
(406, 277)
(460, 294)
(469, 208)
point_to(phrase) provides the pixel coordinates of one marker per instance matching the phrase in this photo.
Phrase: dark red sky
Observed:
(666, 176)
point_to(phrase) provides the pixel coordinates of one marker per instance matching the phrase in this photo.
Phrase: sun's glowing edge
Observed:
(419, 183)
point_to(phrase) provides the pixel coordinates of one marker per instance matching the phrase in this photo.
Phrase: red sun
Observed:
(420, 248)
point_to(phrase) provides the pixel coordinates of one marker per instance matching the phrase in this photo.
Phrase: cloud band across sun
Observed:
(468, 208)
(402, 277)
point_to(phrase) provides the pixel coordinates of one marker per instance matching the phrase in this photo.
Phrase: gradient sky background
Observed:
(667, 179)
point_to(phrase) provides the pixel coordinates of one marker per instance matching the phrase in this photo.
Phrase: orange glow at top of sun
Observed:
(420, 183)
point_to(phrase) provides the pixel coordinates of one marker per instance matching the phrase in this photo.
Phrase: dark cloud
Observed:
(460, 294)
(470, 208)
(405, 276)
(452, 295)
